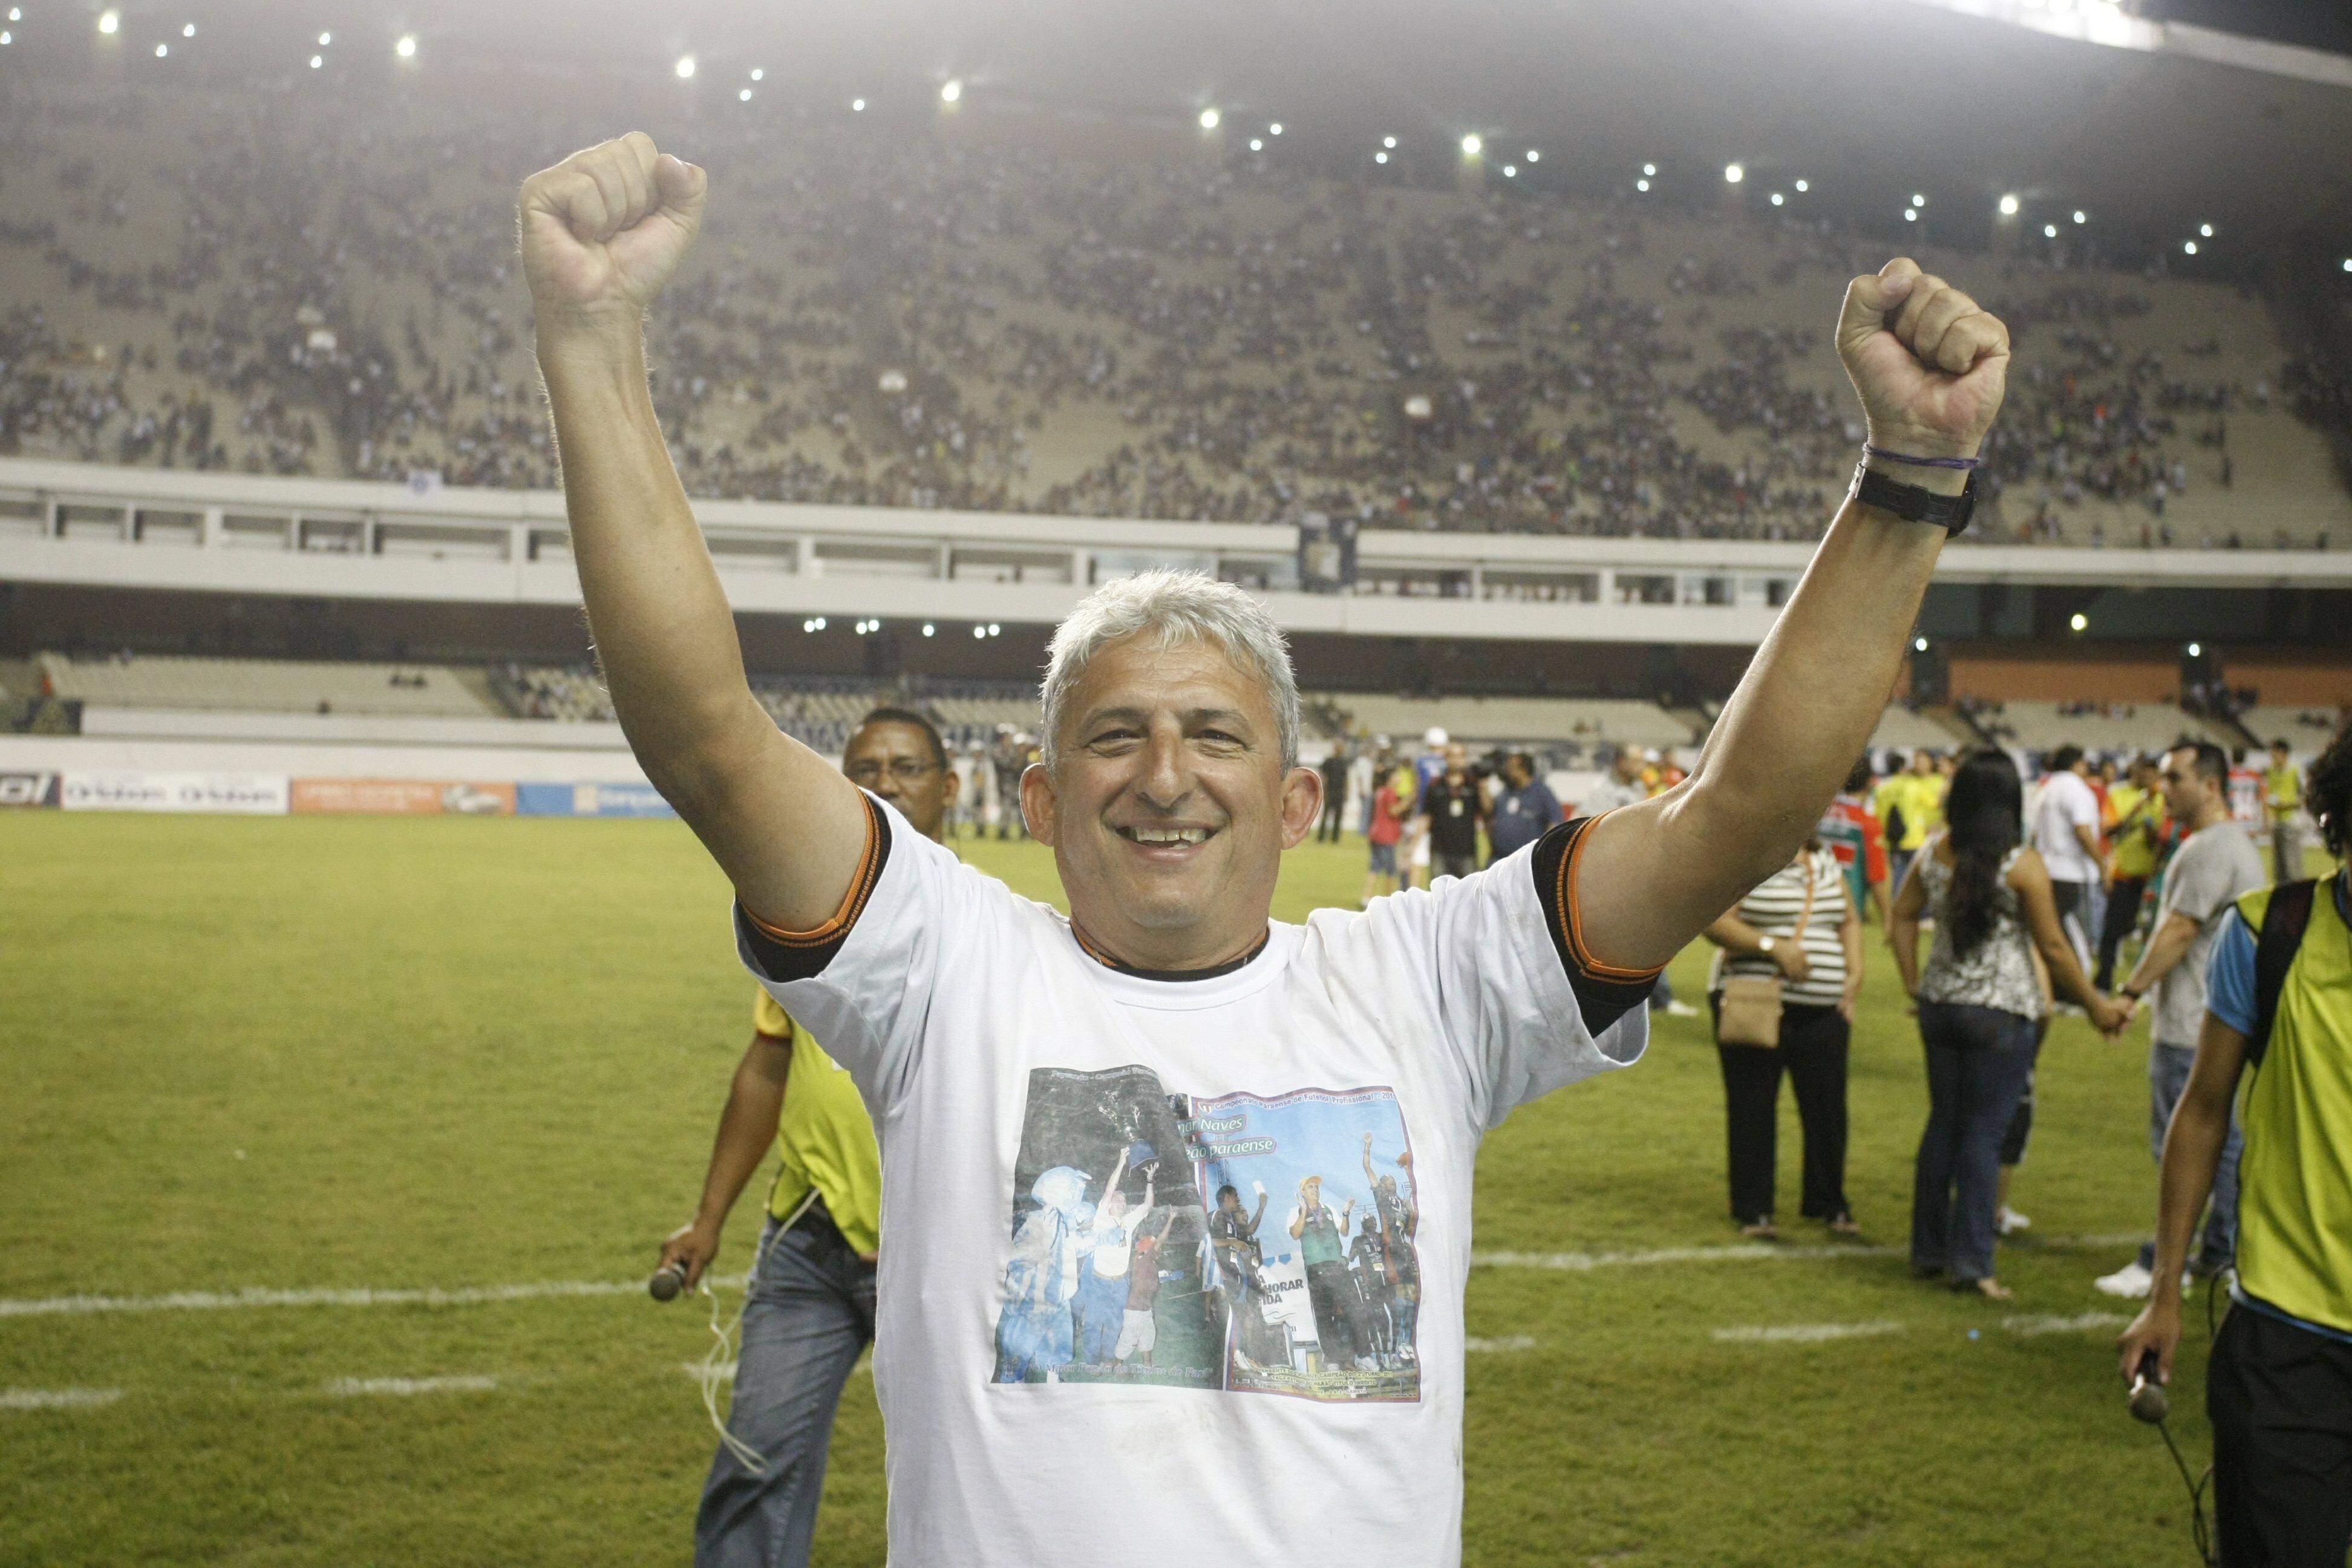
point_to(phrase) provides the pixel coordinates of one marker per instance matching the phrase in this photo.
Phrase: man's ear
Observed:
(1302, 806)
(1040, 808)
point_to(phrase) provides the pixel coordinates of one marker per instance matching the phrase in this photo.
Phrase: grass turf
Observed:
(358, 1052)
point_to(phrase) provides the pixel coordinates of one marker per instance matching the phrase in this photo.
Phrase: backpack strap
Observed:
(2284, 922)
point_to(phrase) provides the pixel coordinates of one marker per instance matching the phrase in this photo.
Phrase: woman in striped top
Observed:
(1820, 970)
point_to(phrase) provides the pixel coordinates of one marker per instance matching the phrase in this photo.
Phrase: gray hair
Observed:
(1173, 607)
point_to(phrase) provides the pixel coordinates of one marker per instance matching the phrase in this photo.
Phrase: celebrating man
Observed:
(1168, 787)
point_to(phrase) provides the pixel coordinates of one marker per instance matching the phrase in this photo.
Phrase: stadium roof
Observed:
(2155, 127)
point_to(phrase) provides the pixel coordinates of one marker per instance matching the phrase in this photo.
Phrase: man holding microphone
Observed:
(810, 1310)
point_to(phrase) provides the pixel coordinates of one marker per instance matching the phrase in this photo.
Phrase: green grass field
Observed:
(396, 1054)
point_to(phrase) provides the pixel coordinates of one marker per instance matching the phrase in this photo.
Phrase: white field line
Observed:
(355, 1387)
(1502, 1345)
(1804, 1333)
(57, 1398)
(486, 1295)
(2051, 1323)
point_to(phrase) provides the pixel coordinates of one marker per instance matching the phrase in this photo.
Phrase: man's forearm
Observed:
(747, 1130)
(1784, 743)
(2165, 952)
(2192, 1153)
(662, 627)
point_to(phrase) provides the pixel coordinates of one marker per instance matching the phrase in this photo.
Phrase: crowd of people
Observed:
(2009, 886)
(905, 319)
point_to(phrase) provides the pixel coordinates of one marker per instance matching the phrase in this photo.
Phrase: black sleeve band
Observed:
(782, 955)
(1603, 994)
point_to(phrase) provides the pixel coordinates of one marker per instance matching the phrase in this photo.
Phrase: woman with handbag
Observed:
(1782, 994)
(1980, 1008)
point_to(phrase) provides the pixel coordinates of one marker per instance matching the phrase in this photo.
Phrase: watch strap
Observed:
(1913, 503)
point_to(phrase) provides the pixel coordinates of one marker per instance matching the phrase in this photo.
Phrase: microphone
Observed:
(669, 1280)
(2150, 1403)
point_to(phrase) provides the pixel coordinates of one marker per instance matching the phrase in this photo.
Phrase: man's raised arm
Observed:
(601, 232)
(1930, 367)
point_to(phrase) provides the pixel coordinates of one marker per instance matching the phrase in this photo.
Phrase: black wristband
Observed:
(1913, 503)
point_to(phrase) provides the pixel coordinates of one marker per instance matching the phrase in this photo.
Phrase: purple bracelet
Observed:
(1872, 451)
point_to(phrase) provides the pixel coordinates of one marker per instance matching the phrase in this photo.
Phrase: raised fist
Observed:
(602, 230)
(1929, 363)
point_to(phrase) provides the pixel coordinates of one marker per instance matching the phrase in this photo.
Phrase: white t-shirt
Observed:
(1010, 1072)
(2067, 802)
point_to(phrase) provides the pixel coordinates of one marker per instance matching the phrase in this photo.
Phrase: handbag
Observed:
(1749, 1012)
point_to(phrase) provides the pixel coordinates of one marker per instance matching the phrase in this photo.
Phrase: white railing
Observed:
(95, 524)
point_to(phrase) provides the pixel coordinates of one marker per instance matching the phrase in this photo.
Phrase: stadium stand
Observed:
(1010, 321)
(2306, 730)
(269, 686)
(1904, 728)
(2096, 727)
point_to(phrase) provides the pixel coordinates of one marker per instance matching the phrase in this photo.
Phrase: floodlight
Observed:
(6, 38)
(1920, 645)
(1380, 157)
(1651, 170)
(759, 73)
(685, 67)
(2189, 248)
(1778, 200)
(820, 623)
(1535, 155)
(326, 39)
(109, 23)
(406, 48)
(995, 630)
(2205, 229)
(1258, 145)
(1910, 215)
(1511, 170)
(318, 61)
(2009, 205)
(2196, 650)
(928, 629)
(1733, 173)
(2049, 231)
(1803, 186)
(2080, 216)
(951, 91)
(980, 631)
(2079, 621)
(2347, 264)
(1917, 200)
(856, 105)
(744, 96)
(1209, 118)
(1472, 145)
(15, 13)
(189, 31)
(1389, 141)
(1641, 184)
(162, 49)
(1275, 129)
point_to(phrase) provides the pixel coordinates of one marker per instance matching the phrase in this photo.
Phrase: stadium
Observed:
(368, 1007)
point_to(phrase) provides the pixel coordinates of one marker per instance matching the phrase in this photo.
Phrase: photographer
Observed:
(2278, 1389)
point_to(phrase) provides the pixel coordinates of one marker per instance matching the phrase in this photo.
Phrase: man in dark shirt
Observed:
(1454, 808)
(1335, 794)
(1525, 807)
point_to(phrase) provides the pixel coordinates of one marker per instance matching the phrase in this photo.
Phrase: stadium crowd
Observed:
(890, 317)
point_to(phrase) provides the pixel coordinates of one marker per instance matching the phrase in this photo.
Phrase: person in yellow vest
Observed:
(2283, 804)
(809, 1313)
(2278, 1389)
(2135, 826)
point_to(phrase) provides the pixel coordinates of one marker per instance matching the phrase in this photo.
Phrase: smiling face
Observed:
(1167, 806)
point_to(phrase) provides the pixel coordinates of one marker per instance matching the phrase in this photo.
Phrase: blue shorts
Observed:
(1385, 860)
